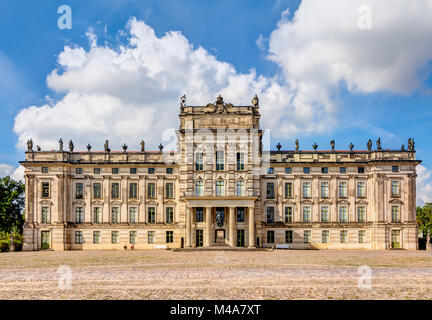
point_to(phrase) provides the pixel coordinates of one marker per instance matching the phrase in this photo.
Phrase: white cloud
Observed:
(5, 170)
(424, 185)
(8, 170)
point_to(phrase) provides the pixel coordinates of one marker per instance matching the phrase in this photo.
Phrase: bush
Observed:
(5, 242)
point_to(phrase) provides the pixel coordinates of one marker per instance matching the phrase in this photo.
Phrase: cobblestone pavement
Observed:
(160, 274)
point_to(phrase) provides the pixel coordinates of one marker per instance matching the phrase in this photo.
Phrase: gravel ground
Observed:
(162, 274)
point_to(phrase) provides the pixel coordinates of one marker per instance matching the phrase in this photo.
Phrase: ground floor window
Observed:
(307, 236)
(78, 237)
(325, 236)
(240, 238)
(169, 236)
(132, 236)
(395, 239)
(343, 236)
(199, 238)
(96, 236)
(151, 237)
(114, 236)
(270, 236)
(361, 236)
(288, 236)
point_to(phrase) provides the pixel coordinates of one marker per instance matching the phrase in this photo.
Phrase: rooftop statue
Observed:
(106, 146)
(314, 146)
(255, 101)
(296, 145)
(278, 146)
(378, 144)
(369, 144)
(332, 144)
(124, 147)
(30, 145)
(183, 101)
(142, 143)
(71, 146)
(89, 147)
(351, 146)
(61, 144)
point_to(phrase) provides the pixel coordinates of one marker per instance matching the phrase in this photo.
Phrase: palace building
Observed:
(220, 187)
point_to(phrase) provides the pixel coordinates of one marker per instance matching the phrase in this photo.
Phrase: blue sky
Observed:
(31, 42)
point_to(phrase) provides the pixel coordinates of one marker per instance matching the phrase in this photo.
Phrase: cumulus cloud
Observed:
(8, 170)
(424, 185)
(5, 170)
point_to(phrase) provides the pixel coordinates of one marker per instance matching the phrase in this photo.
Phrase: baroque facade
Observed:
(219, 187)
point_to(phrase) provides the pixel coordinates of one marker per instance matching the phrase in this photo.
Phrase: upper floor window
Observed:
(115, 215)
(306, 214)
(199, 189)
(342, 170)
(151, 190)
(324, 170)
(79, 191)
(288, 214)
(360, 170)
(44, 169)
(270, 190)
(97, 215)
(96, 170)
(97, 193)
(78, 170)
(270, 214)
(395, 214)
(324, 189)
(240, 214)
(306, 189)
(133, 214)
(199, 214)
(115, 190)
(343, 214)
(133, 190)
(288, 170)
(325, 214)
(306, 170)
(361, 214)
(361, 189)
(395, 168)
(45, 190)
(288, 190)
(220, 188)
(169, 190)
(45, 215)
(220, 160)
(169, 215)
(151, 215)
(114, 170)
(79, 214)
(151, 170)
(133, 170)
(343, 193)
(240, 161)
(395, 188)
(270, 170)
(199, 165)
(169, 170)
(240, 188)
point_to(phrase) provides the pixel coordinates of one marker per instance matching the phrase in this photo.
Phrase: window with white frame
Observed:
(362, 236)
(343, 236)
(133, 214)
(220, 188)
(132, 236)
(78, 237)
(199, 165)
(288, 190)
(307, 236)
(114, 236)
(240, 188)
(45, 218)
(151, 214)
(343, 189)
(169, 214)
(169, 190)
(325, 236)
(151, 237)
(361, 189)
(115, 215)
(324, 189)
(220, 160)
(395, 214)
(288, 214)
(361, 214)
(325, 214)
(395, 188)
(199, 188)
(240, 161)
(306, 189)
(307, 214)
(79, 214)
(97, 214)
(343, 214)
(96, 236)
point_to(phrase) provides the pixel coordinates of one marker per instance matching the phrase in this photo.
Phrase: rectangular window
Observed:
(115, 190)
(324, 189)
(288, 236)
(96, 170)
(270, 170)
(270, 190)
(306, 214)
(307, 236)
(151, 237)
(199, 214)
(361, 189)
(306, 189)
(325, 235)
(343, 190)
(44, 169)
(199, 188)
(324, 214)
(133, 214)
(79, 214)
(288, 214)
(270, 214)
(395, 189)
(151, 170)
(395, 239)
(79, 190)
(45, 215)
(306, 170)
(240, 214)
(115, 218)
(97, 215)
(114, 236)
(78, 170)
(343, 216)
(342, 170)
(240, 161)
(78, 237)
(132, 236)
(288, 190)
(270, 236)
(169, 236)
(133, 170)
(395, 214)
(169, 215)
(324, 170)
(45, 190)
(169, 190)
(343, 236)
(199, 165)
(360, 170)
(361, 214)
(151, 214)
(96, 236)
(220, 161)
(220, 188)
(240, 188)
(169, 170)
(395, 169)
(97, 190)
(288, 170)
(133, 190)
(151, 191)
(361, 236)
(114, 170)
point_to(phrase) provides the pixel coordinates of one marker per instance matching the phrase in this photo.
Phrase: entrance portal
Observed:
(220, 236)
(220, 217)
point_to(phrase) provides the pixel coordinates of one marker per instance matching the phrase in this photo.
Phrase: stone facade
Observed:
(219, 187)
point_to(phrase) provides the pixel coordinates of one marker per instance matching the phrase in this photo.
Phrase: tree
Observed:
(12, 201)
(424, 221)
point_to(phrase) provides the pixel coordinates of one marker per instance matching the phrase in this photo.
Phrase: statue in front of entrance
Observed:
(220, 219)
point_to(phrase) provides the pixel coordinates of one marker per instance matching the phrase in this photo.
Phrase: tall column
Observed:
(251, 214)
(231, 226)
(188, 227)
(208, 235)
